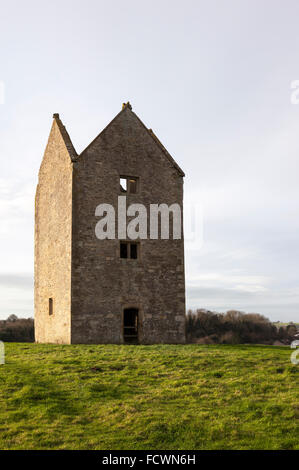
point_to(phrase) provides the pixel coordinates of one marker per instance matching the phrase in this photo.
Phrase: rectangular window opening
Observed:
(132, 185)
(129, 250)
(133, 251)
(128, 184)
(123, 250)
(50, 306)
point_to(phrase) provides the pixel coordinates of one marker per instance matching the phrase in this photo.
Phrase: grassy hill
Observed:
(148, 397)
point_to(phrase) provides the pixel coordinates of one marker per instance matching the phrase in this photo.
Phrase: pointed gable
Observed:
(66, 138)
(127, 108)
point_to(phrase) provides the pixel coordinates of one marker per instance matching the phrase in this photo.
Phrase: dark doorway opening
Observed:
(131, 325)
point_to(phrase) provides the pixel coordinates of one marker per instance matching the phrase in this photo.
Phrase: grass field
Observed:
(148, 397)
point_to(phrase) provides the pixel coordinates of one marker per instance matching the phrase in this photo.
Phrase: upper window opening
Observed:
(128, 184)
(133, 185)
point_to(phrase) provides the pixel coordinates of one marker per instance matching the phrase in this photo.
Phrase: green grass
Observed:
(148, 397)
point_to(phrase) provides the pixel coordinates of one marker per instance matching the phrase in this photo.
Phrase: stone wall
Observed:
(103, 284)
(53, 227)
(88, 281)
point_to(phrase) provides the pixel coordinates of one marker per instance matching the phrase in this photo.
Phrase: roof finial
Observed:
(127, 105)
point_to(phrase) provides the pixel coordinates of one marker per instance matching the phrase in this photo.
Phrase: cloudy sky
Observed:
(213, 80)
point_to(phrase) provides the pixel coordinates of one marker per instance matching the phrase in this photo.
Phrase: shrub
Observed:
(19, 330)
(234, 327)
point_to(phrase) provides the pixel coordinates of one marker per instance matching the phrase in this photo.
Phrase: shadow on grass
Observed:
(34, 393)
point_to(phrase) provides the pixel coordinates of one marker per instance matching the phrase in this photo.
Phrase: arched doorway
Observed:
(130, 325)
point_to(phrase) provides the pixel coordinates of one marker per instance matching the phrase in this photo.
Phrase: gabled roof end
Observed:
(66, 138)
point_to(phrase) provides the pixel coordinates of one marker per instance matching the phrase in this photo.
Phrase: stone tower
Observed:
(91, 290)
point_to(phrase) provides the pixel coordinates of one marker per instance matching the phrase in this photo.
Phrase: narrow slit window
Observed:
(50, 306)
(124, 250)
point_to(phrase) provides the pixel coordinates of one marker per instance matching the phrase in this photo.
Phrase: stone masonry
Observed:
(83, 287)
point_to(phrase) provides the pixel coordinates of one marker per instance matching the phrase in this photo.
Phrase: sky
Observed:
(213, 80)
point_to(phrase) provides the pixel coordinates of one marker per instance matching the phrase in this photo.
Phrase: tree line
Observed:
(235, 327)
(202, 327)
(17, 330)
